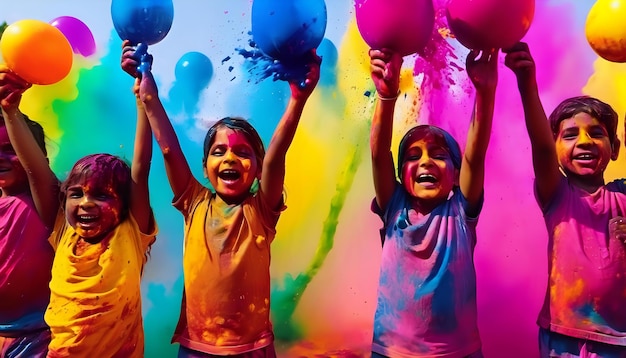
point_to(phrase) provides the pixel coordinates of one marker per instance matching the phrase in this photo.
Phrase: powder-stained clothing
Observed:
(586, 295)
(427, 287)
(95, 303)
(226, 260)
(25, 264)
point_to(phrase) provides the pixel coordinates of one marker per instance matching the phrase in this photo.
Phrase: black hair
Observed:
(237, 124)
(445, 140)
(594, 107)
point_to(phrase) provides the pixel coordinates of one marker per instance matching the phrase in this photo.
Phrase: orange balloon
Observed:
(488, 24)
(606, 31)
(37, 51)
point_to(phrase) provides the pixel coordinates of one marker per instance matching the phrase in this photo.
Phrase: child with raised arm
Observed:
(228, 231)
(584, 311)
(28, 192)
(427, 288)
(102, 236)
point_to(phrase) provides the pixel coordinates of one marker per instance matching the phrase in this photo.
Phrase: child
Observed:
(583, 313)
(228, 231)
(101, 238)
(26, 219)
(427, 289)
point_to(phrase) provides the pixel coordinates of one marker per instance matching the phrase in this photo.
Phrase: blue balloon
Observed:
(194, 70)
(142, 21)
(287, 29)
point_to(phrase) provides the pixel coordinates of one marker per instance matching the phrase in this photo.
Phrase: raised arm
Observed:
(43, 183)
(273, 172)
(483, 72)
(385, 69)
(545, 162)
(142, 155)
(176, 166)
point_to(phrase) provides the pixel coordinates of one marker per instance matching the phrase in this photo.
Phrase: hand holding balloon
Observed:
(482, 69)
(136, 60)
(12, 87)
(520, 61)
(385, 66)
(302, 89)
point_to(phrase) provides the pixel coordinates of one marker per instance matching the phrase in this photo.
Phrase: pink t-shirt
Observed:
(25, 265)
(586, 295)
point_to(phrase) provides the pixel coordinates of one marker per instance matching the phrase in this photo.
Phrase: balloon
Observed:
(146, 21)
(37, 51)
(77, 33)
(404, 26)
(489, 24)
(605, 29)
(194, 69)
(285, 29)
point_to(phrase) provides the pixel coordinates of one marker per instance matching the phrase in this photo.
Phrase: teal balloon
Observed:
(142, 21)
(287, 29)
(194, 70)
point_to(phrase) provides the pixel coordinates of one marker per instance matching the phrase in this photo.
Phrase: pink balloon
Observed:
(487, 24)
(77, 33)
(404, 26)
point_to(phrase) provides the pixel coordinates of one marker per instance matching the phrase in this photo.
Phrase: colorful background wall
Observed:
(326, 253)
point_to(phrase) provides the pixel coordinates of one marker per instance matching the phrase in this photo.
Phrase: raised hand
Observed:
(385, 66)
(482, 69)
(520, 61)
(303, 89)
(12, 87)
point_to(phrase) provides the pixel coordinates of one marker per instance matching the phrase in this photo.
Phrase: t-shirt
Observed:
(586, 295)
(427, 287)
(226, 260)
(25, 264)
(95, 303)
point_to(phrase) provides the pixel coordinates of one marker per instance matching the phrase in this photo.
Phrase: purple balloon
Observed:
(77, 33)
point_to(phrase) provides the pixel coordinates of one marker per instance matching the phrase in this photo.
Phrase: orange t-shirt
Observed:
(226, 260)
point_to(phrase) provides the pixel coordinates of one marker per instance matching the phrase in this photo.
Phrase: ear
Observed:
(204, 172)
(615, 149)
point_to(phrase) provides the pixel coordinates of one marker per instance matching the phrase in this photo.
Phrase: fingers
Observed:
(617, 228)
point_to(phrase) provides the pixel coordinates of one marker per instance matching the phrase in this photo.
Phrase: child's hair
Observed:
(238, 125)
(108, 171)
(603, 112)
(438, 135)
(36, 129)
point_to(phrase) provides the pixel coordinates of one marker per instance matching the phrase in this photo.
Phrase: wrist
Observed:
(387, 97)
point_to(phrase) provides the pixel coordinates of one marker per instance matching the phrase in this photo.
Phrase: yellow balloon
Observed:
(606, 29)
(37, 51)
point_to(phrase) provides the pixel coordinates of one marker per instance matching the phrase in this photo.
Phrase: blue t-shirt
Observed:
(427, 289)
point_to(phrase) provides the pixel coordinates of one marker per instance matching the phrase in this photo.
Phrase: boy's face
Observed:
(583, 147)
(231, 165)
(428, 173)
(13, 177)
(91, 209)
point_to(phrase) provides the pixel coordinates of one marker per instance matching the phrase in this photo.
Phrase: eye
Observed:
(217, 152)
(74, 194)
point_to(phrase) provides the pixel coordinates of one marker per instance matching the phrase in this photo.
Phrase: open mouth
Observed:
(426, 178)
(229, 175)
(87, 220)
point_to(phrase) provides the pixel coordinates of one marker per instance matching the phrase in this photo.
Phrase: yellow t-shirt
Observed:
(226, 260)
(95, 302)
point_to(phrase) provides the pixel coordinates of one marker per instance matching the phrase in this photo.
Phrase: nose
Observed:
(426, 160)
(86, 202)
(229, 156)
(584, 139)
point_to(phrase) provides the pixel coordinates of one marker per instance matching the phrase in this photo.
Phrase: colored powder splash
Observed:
(261, 66)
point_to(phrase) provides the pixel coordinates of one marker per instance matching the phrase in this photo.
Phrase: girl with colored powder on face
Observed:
(228, 230)
(103, 231)
(26, 217)
(584, 313)
(427, 288)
